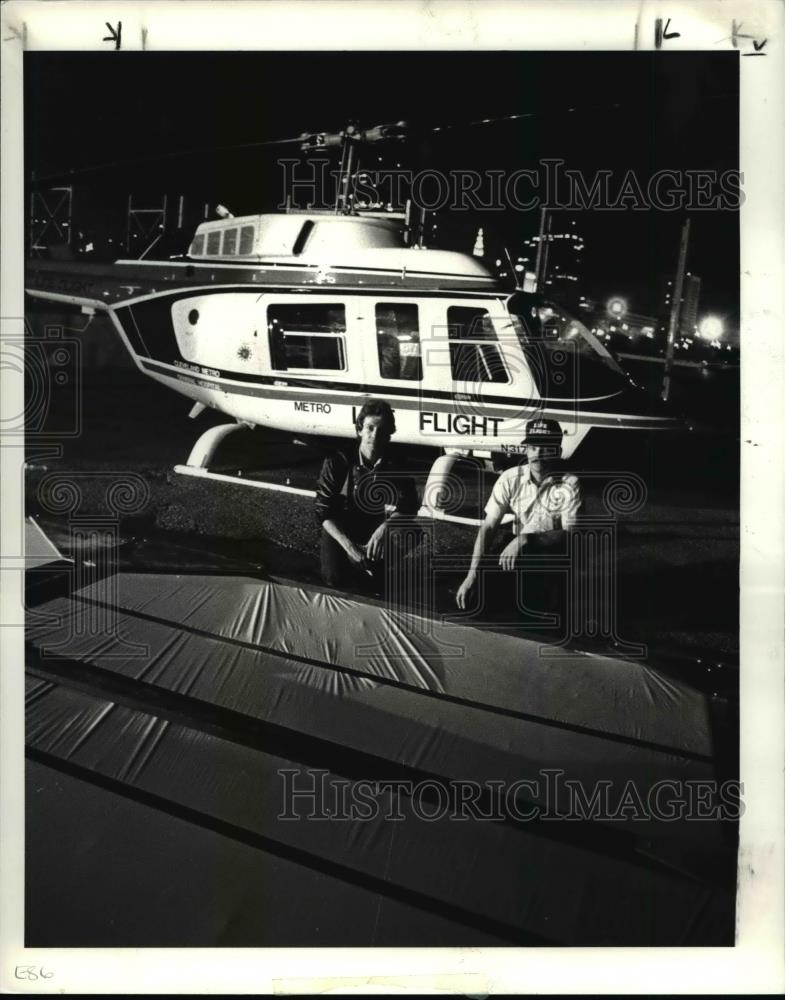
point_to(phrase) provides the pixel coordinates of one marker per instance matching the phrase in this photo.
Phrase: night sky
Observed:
(97, 114)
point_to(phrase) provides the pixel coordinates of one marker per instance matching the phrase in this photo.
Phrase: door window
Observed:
(307, 335)
(398, 341)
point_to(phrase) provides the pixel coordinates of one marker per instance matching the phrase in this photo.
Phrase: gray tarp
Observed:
(197, 692)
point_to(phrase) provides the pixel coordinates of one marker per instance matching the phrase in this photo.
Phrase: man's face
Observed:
(373, 438)
(541, 457)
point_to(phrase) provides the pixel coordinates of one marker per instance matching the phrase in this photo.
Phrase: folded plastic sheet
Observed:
(300, 660)
(616, 696)
(40, 550)
(105, 870)
(484, 878)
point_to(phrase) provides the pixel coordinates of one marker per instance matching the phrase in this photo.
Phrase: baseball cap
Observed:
(543, 430)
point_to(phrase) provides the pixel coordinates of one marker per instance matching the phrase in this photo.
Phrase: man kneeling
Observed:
(359, 496)
(544, 504)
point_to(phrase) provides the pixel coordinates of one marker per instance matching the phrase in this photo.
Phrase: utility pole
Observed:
(678, 286)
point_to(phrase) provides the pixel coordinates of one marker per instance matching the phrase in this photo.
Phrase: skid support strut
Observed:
(441, 488)
(437, 487)
(202, 455)
(205, 447)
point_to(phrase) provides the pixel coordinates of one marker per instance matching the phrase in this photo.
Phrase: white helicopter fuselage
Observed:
(293, 323)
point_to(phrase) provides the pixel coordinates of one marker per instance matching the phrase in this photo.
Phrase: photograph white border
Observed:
(756, 963)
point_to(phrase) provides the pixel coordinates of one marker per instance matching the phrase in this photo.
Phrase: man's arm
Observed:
(329, 506)
(328, 487)
(485, 534)
(355, 554)
(408, 503)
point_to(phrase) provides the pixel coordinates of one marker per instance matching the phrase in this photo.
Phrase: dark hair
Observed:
(377, 408)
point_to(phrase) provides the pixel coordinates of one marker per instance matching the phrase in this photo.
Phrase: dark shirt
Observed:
(355, 496)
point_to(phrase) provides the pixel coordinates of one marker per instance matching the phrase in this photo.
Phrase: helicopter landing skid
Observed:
(239, 480)
(435, 495)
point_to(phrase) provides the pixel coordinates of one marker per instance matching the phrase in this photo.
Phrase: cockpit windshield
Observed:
(571, 360)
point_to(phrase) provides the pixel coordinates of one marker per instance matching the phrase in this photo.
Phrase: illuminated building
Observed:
(560, 257)
(688, 316)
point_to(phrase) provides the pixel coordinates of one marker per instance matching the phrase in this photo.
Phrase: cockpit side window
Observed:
(566, 360)
(474, 352)
(398, 341)
(214, 241)
(307, 336)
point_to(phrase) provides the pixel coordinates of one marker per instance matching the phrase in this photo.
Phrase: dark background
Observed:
(191, 124)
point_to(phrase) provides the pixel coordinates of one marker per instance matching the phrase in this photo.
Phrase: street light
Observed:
(616, 307)
(710, 328)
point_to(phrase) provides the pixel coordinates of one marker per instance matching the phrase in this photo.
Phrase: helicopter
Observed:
(293, 320)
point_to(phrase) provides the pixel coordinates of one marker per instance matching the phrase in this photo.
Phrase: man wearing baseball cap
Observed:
(544, 503)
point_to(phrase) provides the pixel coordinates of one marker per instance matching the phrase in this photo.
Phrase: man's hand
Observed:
(355, 554)
(375, 545)
(464, 590)
(511, 552)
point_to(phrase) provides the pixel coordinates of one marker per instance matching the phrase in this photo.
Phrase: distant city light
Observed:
(710, 328)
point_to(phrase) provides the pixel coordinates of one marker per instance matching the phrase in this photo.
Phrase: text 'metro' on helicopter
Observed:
(293, 320)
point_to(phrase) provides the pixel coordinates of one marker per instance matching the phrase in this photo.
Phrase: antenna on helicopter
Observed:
(513, 271)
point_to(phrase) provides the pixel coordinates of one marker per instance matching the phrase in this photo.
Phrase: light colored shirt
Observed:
(549, 506)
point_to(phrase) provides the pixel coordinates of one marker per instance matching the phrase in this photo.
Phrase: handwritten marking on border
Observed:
(114, 36)
(662, 34)
(736, 34)
(31, 973)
